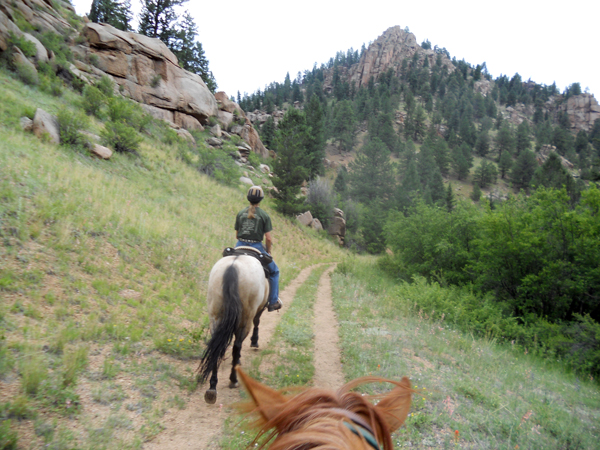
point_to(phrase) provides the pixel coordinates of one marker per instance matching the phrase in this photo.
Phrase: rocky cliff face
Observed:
(582, 110)
(143, 68)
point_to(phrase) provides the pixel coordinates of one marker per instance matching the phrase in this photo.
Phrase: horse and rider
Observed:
(251, 225)
(239, 290)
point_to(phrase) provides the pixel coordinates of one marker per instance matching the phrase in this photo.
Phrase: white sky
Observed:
(250, 44)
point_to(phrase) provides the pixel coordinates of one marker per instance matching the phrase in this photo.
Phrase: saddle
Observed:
(264, 258)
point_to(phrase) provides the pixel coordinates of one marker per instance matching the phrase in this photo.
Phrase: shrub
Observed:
(121, 137)
(8, 438)
(155, 82)
(93, 59)
(51, 84)
(123, 110)
(56, 43)
(320, 200)
(70, 125)
(214, 163)
(93, 101)
(27, 74)
(254, 160)
(27, 47)
(106, 86)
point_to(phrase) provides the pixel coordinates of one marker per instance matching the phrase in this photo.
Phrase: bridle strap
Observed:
(364, 429)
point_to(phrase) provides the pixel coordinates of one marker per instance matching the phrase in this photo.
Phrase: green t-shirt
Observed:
(252, 229)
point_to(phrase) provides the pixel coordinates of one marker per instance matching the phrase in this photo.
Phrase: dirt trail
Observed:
(199, 426)
(328, 362)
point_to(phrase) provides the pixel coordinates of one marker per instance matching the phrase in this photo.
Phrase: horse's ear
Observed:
(268, 400)
(396, 404)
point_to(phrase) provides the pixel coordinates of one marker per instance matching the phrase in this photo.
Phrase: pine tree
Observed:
(523, 170)
(476, 194)
(290, 165)
(450, 199)
(315, 119)
(113, 12)
(344, 125)
(190, 53)
(341, 182)
(158, 19)
(505, 164)
(372, 175)
(523, 140)
(482, 147)
(410, 188)
(504, 141)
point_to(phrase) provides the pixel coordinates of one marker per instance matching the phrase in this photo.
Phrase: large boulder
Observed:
(250, 135)
(45, 124)
(305, 218)
(6, 28)
(149, 73)
(226, 104)
(41, 54)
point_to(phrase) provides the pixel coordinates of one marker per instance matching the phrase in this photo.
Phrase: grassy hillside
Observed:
(103, 269)
(103, 274)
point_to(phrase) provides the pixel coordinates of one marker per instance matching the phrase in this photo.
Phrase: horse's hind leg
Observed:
(254, 338)
(236, 353)
(210, 396)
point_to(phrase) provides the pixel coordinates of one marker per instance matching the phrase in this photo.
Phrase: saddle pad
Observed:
(264, 258)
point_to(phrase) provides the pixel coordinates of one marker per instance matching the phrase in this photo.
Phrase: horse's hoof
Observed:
(254, 345)
(210, 396)
(233, 385)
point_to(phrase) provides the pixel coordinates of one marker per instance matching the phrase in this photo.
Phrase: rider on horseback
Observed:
(251, 225)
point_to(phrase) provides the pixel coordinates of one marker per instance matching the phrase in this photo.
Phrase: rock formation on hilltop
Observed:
(387, 52)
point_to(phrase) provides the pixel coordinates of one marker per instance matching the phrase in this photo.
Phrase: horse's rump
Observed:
(237, 291)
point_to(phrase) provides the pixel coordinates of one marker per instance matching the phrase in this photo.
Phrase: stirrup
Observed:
(275, 306)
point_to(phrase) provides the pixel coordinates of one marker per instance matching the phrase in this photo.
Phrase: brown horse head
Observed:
(328, 420)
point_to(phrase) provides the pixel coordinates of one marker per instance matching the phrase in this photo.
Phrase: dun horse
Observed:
(322, 419)
(237, 295)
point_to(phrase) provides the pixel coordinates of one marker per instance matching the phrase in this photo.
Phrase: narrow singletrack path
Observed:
(199, 426)
(327, 357)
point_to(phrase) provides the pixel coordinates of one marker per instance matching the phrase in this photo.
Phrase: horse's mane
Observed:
(314, 418)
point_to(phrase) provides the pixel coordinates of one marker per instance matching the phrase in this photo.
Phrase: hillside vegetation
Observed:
(107, 258)
(472, 182)
(490, 307)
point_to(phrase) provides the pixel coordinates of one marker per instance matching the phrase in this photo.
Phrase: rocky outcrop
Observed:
(148, 72)
(542, 156)
(387, 52)
(582, 110)
(337, 227)
(143, 68)
(45, 126)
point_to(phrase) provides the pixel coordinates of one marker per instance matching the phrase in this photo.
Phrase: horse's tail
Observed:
(223, 334)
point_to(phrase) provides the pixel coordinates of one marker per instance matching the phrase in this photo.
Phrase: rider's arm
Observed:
(268, 241)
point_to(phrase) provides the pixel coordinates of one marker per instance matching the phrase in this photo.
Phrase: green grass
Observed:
(493, 395)
(105, 266)
(293, 339)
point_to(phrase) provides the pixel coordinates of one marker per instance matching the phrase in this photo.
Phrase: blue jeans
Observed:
(273, 278)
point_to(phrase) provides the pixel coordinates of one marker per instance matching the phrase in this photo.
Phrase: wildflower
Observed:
(181, 340)
(168, 340)
(456, 437)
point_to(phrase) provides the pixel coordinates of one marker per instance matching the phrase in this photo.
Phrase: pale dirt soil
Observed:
(199, 426)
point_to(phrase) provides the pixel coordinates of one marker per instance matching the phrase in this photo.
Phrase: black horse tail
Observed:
(223, 335)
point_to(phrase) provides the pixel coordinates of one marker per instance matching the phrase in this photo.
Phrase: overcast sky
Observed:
(250, 44)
